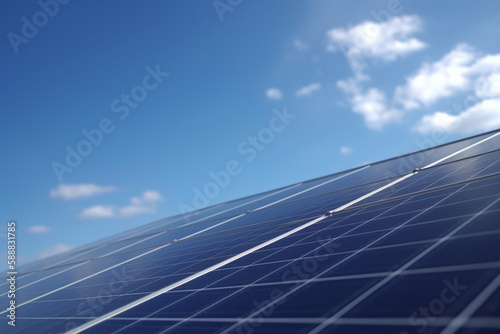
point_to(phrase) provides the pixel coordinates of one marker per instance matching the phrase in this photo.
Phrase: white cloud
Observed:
(488, 86)
(146, 203)
(482, 116)
(371, 105)
(345, 150)
(75, 191)
(299, 45)
(149, 196)
(274, 94)
(489, 63)
(59, 248)
(38, 229)
(443, 78)
(386, 40)
(308, 90)
(143, 204)
(98, 211)
(462, 69)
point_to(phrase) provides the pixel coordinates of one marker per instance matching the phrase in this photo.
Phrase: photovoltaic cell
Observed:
(409, 249)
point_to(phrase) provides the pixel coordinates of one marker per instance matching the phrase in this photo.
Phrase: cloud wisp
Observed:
(38, 229)
(75, 191)
(345, 150)
(299, 45)
(146, 203)
(308, 90)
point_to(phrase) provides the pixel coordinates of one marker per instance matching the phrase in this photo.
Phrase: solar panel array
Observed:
(407, 245)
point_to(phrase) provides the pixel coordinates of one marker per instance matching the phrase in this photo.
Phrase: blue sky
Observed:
(154, 99)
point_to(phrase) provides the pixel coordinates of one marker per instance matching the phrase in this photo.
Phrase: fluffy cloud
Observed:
(386, 40)
(75, 191)
(486, 64)
(57, 249)
(462, 69)
(38, 229)
(488, 86)
(372, 104)
(146, 203)
(274, 94)
(443, 78)
(308, 90)
(483, 116)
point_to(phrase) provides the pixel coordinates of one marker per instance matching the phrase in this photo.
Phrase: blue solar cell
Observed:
(438, 294)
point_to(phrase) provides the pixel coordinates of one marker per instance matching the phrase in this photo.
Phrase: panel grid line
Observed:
(465, 315)
(355, 302)
(130, 305)
(300, 258)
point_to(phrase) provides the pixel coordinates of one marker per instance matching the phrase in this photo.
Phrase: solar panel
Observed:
(406, 245)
